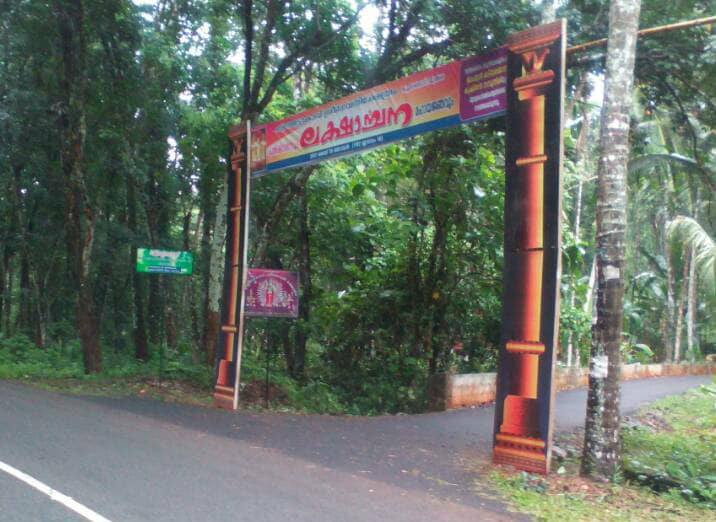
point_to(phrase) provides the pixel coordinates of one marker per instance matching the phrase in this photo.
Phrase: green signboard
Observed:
(154, 261)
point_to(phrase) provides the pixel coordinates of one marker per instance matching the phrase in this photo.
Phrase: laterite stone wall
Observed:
(448, 391)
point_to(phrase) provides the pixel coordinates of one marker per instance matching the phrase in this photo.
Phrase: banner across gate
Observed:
(524, 80)
(458, 92)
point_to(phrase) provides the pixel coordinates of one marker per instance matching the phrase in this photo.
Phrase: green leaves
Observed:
(675, 455)
(691, 234)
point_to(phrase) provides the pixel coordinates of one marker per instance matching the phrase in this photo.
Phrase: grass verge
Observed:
(175, 379)
(669, 470)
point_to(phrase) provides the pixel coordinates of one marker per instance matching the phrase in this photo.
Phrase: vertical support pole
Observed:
(530, 319)
(230, 340)
(244, 248)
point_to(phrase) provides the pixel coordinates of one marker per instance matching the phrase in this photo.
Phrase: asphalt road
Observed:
(142, 460)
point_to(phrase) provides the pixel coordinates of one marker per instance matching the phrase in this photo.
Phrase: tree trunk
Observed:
(216, 277)
(433, 298)
(7, 294)
(187, 301)
(23, 320)
(284, 335)
(139, 330)
(89, 334)
(194, 291)
(79, 215)
(281, 202)
(304, 274)
(602, 450)
(580, 154)
(205, 268)
(41, 310)
(24, 316)
(680, 307)
(154, 314)
(155, 214)
(415, 280)
(170, 318)
(667, 328)
(692, 306)
(589, 304)
(691, 310)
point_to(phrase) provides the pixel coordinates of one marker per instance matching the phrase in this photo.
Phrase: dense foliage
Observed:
(113, 119)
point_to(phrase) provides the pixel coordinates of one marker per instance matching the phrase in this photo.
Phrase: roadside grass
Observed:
(175, 379)
(669, 470)
(672, 450)
(59, 368)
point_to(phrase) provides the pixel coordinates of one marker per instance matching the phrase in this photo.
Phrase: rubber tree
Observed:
(79, 212)
(602, 449)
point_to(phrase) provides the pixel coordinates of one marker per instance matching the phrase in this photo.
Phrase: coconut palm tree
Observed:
(702, 267)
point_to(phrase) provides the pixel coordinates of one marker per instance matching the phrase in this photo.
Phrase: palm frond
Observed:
(689, 232)
(650, 160)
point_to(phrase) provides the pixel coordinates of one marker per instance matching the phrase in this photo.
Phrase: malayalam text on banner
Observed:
(451, 94)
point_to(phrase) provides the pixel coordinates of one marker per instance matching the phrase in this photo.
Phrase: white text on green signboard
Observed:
(154, 261)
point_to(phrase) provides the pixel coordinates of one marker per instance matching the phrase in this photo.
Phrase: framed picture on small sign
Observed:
(271, 293)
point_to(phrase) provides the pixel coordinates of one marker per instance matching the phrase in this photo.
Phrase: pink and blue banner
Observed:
(458, 92)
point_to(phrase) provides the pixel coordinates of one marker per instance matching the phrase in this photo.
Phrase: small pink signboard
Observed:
(271, 293)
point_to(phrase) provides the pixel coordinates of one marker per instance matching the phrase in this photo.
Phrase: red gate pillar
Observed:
(535, 92)
(228, 360)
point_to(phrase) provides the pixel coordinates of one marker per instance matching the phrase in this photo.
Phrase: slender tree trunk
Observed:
(299, 355)
(205, 266)
(668, 324)
(170, 318)
(580, 153)
(23, 320)
(680, 307)
(589, 304)
(154, 314)
(434, 299)
(415, 281)
(602, 450)
(188, 304)
(40, 286)
(79, 215)
(281, 202)
(216, 278)
(89, 331)
(691, 310)
(572, 294)
(139, 330)
(155, 215)
(284, 331)
(7, 283)
(141, 346)
(24, 316)
(195, 291)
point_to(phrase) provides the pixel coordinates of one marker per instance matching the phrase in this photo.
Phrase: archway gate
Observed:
(523, 81)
